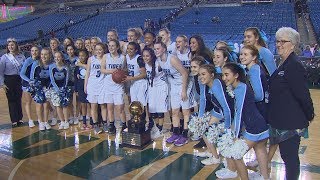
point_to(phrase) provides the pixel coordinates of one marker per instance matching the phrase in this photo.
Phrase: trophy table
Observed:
(136, 136)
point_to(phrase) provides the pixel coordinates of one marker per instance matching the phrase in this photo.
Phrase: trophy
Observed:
(136, 136)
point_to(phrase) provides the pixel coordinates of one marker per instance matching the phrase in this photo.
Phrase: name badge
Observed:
(281, 73)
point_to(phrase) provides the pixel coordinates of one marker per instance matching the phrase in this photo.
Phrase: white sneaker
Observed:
(204, 154)
(61, 126)
(227, 174)
(71, 121)
(195, 138)
(222, 171)
(253, 163)
(66, 125)
(47, 125)
(31, 123)
(155, 133)
(255, 176)
(75, 120)
(210, 161)
(53, 121)
(42, 126)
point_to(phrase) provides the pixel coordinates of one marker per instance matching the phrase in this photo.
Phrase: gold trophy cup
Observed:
(136, 136)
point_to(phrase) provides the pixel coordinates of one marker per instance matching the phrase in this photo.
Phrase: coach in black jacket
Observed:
(290, 106)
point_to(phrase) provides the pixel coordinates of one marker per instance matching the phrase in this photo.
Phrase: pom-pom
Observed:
(198, 125)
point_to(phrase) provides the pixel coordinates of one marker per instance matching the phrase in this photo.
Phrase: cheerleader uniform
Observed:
(258, 82)
(266, 58)
(248, 121)
(72, 74)
(113, 92)
(25, 73)
(81, 74)
(185, 61)
(157, 90)
(42, 75)
(138, 88)
(221, 102)
(59, 80)
(175, 84)
(95, 81)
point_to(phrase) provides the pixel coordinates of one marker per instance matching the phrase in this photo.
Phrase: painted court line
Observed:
(13, 172)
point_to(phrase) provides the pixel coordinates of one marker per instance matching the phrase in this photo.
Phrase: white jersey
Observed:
(159, 78)
(134, 67)
(185, 60)
(95, 79)
(172, 49)
(173, 75)
(113, 63)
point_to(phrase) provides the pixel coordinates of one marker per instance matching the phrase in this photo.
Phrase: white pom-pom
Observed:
(239, 149)
(198, 125)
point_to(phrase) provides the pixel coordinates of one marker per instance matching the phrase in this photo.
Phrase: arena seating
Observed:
(233, 20)
(314, 7)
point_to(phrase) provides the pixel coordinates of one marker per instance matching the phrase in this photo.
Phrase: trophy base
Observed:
(136, 140)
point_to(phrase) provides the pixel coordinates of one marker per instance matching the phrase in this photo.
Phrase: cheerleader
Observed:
(66, 42)
(177, 77)
(93, 85)
(195, 64)
(136, 76)
(233, 56)
(54, 45)
(254, 37)
(220, 57)
(165, 35)
(79, 44)
(71, 62)
(157, 98)
(221, 111)
(26, 79)
(113, 93)
(248, 123)
(80, 75)
(258, 81)
(59, 77)
(41, 81)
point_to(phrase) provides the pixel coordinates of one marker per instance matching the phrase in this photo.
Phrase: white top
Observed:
(172, 48)
(95, 79)
(134, 67)
(173, 75)
(113, 63)
(159, 78)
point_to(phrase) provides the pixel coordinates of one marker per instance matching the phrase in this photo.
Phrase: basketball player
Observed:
(113, 93)
(93, 84)
(157, 91)
(165, 35)
(177, 77)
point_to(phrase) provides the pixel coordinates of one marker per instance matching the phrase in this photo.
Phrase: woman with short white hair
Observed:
(290, 105)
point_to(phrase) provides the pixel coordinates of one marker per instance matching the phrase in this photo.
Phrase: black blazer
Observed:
(290, 105)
